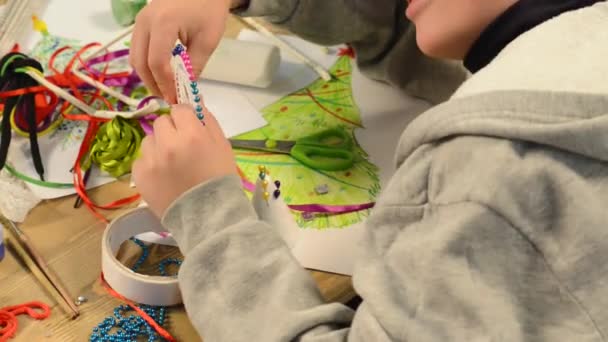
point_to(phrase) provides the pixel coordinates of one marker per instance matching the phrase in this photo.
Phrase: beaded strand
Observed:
(125, 327)
(180, 51)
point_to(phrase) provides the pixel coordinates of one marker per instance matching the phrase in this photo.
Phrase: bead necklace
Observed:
(126, 327)
(185, 80)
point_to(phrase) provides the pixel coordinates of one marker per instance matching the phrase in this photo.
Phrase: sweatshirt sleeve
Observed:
(383, 39)
(239, 280)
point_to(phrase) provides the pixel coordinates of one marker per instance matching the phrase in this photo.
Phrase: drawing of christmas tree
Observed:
(315, 108)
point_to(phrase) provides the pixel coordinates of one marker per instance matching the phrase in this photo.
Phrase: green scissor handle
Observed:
(330, 150)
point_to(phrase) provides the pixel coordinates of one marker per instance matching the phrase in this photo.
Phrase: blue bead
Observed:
(132, 327)
(195, 91)
(178, 49)
(197, 99)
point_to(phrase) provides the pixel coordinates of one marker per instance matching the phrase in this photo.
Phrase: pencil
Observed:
(39, 269)
(318, 68)
(38, 274)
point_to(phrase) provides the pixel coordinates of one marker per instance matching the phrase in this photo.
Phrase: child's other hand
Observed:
(181, 154)
(199, 24)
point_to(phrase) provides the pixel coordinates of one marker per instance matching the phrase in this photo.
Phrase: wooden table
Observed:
(69, 240)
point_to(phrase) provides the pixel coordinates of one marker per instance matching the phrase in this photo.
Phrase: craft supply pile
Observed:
(74, 116)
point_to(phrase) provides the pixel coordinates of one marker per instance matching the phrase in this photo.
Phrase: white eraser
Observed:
(243, 62)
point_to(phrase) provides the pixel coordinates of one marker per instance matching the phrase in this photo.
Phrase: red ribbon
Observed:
(67, 79)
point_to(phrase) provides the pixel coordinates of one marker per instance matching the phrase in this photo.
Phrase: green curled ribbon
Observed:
(116, 146)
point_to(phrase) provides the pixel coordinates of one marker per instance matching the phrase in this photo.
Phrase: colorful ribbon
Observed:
(116, 146)
(14, 77)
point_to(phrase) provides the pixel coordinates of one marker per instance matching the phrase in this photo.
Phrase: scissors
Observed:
(329, 150)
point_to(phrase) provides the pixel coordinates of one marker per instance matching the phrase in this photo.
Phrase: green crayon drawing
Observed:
(315, 108)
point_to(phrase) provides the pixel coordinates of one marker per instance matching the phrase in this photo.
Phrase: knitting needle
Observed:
(318, 68)
(38, 267)
(46, 284)
(24, 242)
(39, 275)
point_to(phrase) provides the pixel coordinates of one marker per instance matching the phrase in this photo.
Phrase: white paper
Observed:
(233, 111)
(89, 21)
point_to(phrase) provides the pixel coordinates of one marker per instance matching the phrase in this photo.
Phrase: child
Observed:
(494, 226)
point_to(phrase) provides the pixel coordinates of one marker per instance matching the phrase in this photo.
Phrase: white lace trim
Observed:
(20, 199)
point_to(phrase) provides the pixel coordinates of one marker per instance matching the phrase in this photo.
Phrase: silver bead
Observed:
(322, 189)
(80, 300)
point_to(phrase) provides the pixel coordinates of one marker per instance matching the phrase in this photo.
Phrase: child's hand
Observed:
(181, 154)
(199, 24)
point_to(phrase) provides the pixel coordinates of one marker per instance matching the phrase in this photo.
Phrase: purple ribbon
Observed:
(108, 57)
(145, 101)
(144, 122)
(331, 209)
(130, 80)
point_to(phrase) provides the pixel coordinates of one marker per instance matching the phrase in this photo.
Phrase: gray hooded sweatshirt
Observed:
(493, 228)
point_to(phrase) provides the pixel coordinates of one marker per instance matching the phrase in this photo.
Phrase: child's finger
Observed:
(162, 41)
(184, 118)
(138, 57)
(199, 53)
(146, 148)
(164, 130)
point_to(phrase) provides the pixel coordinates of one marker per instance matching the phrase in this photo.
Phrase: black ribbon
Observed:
(13, 79)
